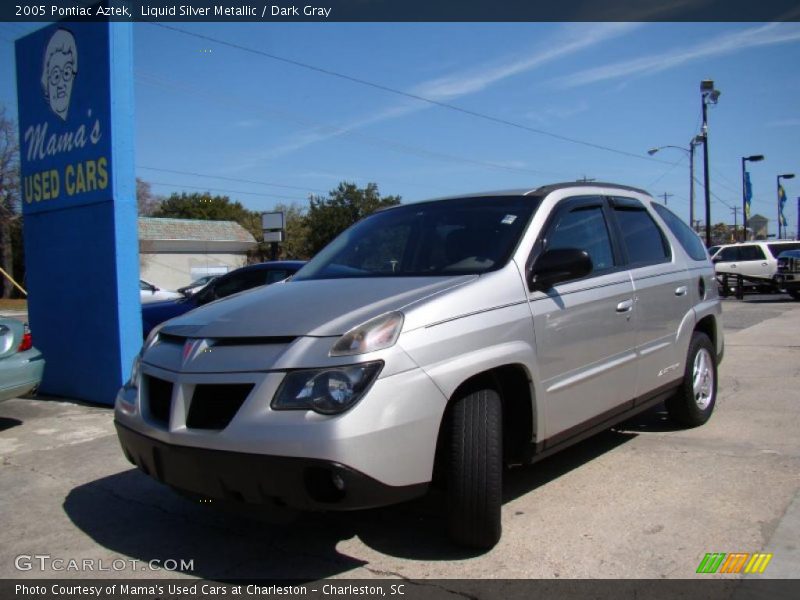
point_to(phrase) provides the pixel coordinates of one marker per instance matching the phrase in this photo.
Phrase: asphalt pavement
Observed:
(645, 500)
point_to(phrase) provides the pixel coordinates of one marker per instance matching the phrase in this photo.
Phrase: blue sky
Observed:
(247, 120)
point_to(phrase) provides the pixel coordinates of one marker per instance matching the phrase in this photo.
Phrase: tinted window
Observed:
(751, 253)
(776, 249)
(643, 240)
(688, 239)
(277, 275)
(238, 282)
(584, 228)
(448, 237)
(728, 254)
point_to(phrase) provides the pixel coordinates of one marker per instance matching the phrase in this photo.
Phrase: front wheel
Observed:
(475, 469)
(694, 401)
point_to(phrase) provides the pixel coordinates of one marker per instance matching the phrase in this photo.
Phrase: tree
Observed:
(295, 244)
(344, 206)
(205, 206)
(9, 198)
(147, 202)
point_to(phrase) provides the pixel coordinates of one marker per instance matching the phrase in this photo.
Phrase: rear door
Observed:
(661, 294)
(753, 262)
(584, 332)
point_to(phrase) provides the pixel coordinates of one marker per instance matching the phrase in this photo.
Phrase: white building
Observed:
(175, 252)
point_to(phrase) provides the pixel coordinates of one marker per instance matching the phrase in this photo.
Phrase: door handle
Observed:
(681, 291)
(763, 264)
(733, 266)
(625, 306)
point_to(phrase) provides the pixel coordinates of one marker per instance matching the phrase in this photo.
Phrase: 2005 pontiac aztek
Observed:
(453, 337)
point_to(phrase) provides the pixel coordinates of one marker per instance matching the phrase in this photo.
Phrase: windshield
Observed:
(446, 237)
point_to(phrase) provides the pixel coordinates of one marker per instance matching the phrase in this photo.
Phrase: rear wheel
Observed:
(694, 401)
(475, 469)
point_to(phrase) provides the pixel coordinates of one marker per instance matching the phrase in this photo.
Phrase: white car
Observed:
(756, 262)
(149, 292)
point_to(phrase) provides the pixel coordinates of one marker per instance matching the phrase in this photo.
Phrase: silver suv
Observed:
(436, 341)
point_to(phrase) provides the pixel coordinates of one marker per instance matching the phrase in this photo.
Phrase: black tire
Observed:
(687, 407)
(475, 469)
(795, 293)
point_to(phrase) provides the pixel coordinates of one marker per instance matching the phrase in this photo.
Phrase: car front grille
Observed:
(214, 405)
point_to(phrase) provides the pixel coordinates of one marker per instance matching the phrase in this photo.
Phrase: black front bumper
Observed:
(304, 483)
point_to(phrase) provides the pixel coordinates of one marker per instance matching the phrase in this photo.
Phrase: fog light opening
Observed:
(324, 485)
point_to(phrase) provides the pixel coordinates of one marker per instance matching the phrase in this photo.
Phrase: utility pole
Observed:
(586, 179)
(735, 211)
(707, 94)
(666, 195)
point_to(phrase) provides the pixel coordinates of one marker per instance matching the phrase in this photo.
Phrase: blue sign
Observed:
(65, 129)
(75, 96)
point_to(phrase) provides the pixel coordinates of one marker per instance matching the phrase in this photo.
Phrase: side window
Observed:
(644, 242)
(688, 239)
(728, 254)
(276, 275)
(776, 249)
(583, 227)
(239, 282)
(751, 253)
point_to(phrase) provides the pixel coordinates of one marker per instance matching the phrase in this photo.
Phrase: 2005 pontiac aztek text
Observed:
(450, 337)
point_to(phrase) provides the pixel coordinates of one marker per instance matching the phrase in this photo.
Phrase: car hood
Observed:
(326, 307)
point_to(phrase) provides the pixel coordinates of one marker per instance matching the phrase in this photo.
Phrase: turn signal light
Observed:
(27, 341)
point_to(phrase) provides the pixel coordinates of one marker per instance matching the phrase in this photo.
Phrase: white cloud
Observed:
(727, 43)
(570, 39)
(784, 123)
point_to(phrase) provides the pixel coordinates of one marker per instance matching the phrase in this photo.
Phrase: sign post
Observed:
(274, 228)
(75, 92)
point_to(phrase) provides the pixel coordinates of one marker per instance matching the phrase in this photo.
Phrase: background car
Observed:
(195, 286)
(149, 292)
(755, 261)
(21, 365)
(236, 281)
(788, 275)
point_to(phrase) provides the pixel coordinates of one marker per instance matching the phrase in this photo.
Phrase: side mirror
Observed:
(557, 265)
(716, 259)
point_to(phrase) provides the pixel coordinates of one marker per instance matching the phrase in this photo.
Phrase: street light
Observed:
(696, 141)
(781, 201)
(745, 159)
(708, 95)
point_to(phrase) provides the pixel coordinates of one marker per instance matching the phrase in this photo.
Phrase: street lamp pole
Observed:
(745, 159)
(780, 212)
(696, 140)
(707, 94)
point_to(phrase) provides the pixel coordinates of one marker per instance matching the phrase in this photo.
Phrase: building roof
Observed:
(199, 230)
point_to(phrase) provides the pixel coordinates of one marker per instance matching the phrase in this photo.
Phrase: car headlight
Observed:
(375, 334)
(136, 367)
(328, 391)
(136, 372)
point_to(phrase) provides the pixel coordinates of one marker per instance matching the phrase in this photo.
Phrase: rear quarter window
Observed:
(687, 238)
(776, 249)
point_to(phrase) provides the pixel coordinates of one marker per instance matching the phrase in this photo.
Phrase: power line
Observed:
(215, 189)
(235, 179)
(417, 97)
(371, 140)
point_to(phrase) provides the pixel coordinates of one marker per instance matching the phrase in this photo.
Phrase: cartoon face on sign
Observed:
(60, 70)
